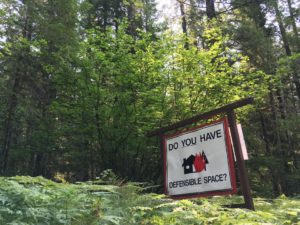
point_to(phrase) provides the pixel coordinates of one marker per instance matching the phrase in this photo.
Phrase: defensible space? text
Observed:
(198, 181)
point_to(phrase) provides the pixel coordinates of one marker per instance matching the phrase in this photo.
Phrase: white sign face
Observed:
(199, 162)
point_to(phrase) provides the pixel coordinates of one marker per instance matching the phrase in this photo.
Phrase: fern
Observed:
(27, 200)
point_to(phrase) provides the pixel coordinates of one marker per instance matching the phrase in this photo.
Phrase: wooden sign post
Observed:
(228, 110)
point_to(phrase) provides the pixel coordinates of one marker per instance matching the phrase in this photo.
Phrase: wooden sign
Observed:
(190, 176)
(199, 162)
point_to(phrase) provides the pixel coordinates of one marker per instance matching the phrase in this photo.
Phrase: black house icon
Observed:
(188, 164)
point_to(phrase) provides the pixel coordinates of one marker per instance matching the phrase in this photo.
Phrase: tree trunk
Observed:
(210, 9)
(265, 134)
(9, 123)
(131, 19)
(183, 23)
(282, 30)
(98, 130)
(294, 26)
(183, 18)
(38, 165)
(287, 47)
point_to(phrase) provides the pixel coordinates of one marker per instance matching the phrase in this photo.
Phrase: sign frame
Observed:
(230, 161)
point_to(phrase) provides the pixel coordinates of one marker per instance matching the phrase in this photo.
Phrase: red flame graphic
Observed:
(199, 163)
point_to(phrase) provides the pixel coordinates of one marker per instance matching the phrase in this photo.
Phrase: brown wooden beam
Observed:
(243, 174)
(206, 115)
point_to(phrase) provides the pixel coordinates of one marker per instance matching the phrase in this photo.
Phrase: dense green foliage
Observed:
(81, 82)
(26, 200)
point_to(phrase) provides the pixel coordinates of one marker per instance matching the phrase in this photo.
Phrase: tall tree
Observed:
(42, 31)
(16, 62)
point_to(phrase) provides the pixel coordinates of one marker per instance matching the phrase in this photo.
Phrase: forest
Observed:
(83, 81)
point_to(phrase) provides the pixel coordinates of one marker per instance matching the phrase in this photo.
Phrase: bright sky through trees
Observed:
(168, 11)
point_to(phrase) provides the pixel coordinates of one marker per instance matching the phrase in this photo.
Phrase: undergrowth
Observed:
(27, 200)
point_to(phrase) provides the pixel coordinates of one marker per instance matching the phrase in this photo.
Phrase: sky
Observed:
(166, 7)
(168, 10)
(162, 3)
